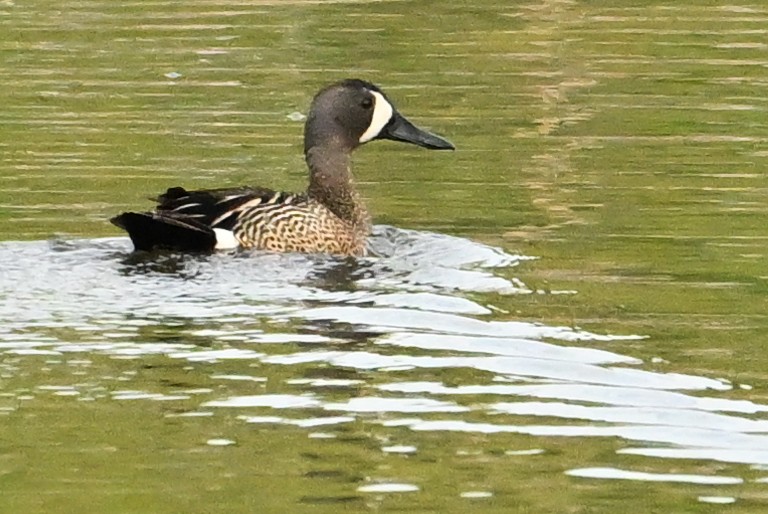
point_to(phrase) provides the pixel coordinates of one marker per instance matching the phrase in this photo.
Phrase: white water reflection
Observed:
(359, 341)
(399, 449)
(622, 474)
(641, 416)
(476, 494)
(388, 488)
(753, 452)
(518, 366)
(589, 393)
(720, 500)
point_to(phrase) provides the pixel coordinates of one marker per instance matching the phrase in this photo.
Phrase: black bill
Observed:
(400, 129)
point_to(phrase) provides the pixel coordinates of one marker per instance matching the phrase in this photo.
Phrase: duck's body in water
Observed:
(329, 217)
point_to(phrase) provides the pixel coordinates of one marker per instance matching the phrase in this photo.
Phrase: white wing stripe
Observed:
(230, 197)
(186, 206)
(247, 205)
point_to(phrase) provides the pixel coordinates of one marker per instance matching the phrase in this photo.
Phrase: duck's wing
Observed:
(196, 220)
(218, 208)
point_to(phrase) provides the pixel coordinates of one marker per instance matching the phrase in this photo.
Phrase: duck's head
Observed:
(353, 112)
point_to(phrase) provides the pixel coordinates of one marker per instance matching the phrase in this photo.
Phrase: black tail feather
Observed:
(150, 231)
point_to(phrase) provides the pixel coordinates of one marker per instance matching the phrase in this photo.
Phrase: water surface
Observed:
(565, 314)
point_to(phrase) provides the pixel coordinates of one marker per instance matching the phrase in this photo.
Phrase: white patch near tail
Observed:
(225, 239)
(382, 113)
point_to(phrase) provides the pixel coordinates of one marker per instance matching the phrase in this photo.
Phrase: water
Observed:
(565, 314)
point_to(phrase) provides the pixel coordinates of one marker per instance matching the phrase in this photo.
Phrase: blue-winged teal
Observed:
(328, 218)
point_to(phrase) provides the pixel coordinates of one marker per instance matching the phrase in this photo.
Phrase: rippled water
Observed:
(393, 344)
(567, 314)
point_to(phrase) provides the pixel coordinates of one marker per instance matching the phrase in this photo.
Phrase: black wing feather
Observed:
(184, 220)
(151, 230)
(212, 206)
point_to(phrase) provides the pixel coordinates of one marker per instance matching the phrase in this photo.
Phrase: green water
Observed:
(624, 146)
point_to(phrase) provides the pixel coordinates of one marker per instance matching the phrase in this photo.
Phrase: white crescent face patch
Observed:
(382, 113)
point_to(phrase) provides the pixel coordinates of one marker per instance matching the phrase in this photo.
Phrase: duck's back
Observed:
(205, 220)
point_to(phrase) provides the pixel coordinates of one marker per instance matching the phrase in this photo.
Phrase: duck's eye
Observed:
(367, 103)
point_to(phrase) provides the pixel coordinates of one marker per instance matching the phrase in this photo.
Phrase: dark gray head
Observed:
(352, 112)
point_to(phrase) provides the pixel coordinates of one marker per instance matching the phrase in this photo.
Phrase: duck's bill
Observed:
(400, 129)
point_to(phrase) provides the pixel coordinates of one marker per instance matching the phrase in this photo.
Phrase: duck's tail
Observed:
(152, 230)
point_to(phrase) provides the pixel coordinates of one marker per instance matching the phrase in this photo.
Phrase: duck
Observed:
(330, 217)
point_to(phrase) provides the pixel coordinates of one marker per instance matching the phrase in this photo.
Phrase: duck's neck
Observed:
(331, 183)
